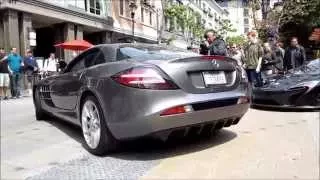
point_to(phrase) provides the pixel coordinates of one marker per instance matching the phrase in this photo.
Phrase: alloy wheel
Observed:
(91, 125)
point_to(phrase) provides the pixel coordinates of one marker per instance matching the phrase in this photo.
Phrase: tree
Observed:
(298, 18)
(188, 20)
(239, 40)
(225, 27)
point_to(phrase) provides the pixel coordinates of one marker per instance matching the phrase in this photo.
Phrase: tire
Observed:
(40, 114)
(97, 143)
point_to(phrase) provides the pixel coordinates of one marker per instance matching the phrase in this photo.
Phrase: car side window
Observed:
(78, 65)
(90, 58)
(99, 59)
(85, 60)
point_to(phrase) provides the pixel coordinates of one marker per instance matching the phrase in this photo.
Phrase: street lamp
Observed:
(133, 7)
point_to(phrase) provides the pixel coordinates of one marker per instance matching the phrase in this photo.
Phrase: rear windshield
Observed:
(151, 53)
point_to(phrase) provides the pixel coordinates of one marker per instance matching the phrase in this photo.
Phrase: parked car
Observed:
(122, 91)
(299, 89)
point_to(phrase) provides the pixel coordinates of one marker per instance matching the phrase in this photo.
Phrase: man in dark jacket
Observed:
(31, 67)
(213, 45)
(295, 55)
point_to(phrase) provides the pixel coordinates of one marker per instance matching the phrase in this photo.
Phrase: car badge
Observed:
(215, 63)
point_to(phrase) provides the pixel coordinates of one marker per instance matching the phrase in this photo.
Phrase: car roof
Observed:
(141, 45)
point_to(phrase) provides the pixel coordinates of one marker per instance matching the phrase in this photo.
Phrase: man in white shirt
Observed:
(50, 65)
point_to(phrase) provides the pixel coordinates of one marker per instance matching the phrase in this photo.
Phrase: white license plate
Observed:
(213, 78)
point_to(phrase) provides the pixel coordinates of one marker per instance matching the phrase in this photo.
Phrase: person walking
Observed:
(50, 65)
(253, 59)
(295, 55)
(30, 69)
(15, 65)
(4, 75)
(213, 45)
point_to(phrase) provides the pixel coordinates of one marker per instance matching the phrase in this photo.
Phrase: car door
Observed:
(65, 90)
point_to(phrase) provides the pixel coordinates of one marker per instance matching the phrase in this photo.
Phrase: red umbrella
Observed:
(77, 45)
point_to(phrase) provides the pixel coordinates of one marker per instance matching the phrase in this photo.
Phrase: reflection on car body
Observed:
(124, 91)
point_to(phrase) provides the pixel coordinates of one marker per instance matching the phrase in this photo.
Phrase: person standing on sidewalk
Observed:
(213, 45)
(31, 67)
(50, 65)
(4, 75)
(279, 53)
(295, 55)
(253, 60)
(15, 64)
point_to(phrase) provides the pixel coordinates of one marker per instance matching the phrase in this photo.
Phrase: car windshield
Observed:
(312, 67)
(152, 53)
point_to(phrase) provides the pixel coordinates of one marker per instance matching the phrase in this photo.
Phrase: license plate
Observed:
(214, 78)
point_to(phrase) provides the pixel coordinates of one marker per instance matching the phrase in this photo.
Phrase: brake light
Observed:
(144, 78)
(177, 110)
(210, 58)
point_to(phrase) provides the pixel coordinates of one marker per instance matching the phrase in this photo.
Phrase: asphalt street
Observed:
(264, 145)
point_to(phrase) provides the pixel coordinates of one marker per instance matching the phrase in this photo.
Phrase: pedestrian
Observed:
(236, 54)
(295, 55)
(30, 69)
(268, 61)
(279, 53)
(213, 45)
(4, 75)
(253, 59)
(50, 65)
(15, 65)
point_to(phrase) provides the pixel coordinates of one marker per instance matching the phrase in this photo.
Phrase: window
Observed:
(76, 65)
(246, 21)
(121, 7)
(84, 60)
(99, 59)
(246, 30)
(152, 53)
(245, 12)
(150, 17)
(142, 14)
(95, 7)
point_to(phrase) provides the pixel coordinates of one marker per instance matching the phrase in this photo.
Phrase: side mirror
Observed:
(62, 65)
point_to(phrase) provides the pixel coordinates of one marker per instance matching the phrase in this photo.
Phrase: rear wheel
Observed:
(40, 114)
(98, 139)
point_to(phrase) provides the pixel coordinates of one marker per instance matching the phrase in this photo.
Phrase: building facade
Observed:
(53, 21)
(211, 14)
(39, 24)
(240, 15)
(145, 23)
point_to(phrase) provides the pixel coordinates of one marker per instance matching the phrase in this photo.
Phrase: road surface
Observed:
(264, 145)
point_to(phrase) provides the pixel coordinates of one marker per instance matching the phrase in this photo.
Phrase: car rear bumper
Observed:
(154, 125)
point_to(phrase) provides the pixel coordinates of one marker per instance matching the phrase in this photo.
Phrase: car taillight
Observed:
(144, 78)
(177, 110)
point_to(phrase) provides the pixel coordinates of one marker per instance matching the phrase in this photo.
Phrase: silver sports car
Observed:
(124, 91)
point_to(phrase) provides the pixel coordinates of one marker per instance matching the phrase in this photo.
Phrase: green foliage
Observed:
(187, 19)
(301, 12)
(225, 27)
(298, 18)
(239, 40)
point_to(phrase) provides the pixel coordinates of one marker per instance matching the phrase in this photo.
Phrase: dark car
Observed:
(124, 91)
(299, 89)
